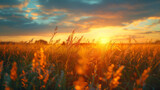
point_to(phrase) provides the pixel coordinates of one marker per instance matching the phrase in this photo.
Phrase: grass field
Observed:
(80, 67)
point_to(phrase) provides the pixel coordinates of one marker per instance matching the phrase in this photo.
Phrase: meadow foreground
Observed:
(80, 67)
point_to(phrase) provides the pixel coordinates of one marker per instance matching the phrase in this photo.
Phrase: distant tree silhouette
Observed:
(157, 42)
(41, 42)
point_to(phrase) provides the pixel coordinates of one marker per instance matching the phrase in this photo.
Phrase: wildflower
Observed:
(34, 62)
(7, 88)
(40, 76)
(109, 72)
(80, 84)
(42, 58)
(99, 87)
(102, 79)
(13, 74)
(46, 78)
(114, 82)
(143, 77)
(1, 68)
(24, 79)
(39, 60)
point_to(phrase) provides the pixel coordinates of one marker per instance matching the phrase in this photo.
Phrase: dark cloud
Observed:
(9, 2)
(122, 10)
(67, 4)
(69, 14)
(150, 32)
(13, 22)
(105, 6)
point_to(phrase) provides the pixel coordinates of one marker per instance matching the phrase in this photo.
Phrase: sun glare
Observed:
(103, 40)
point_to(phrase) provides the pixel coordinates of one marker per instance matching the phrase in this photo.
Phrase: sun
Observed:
(103, 40)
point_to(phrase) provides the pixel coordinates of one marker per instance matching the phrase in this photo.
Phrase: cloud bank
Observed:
(27, 17)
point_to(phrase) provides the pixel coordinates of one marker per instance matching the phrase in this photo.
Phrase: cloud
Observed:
(127, 38)
(150, 32)
(143, 24)
(103, 13)
(4, 6)
(21, 15)
(13, 22)
(33, 18)
(9, 2)
(38, 6)
(34, 14)
(13, 4)
(28, 11)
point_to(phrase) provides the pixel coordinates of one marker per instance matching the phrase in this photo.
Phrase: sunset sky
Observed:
(22, 20)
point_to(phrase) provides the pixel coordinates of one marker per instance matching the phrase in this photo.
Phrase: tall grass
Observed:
(75, 66)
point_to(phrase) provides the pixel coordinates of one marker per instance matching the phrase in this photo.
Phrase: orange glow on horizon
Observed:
(103, 40)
